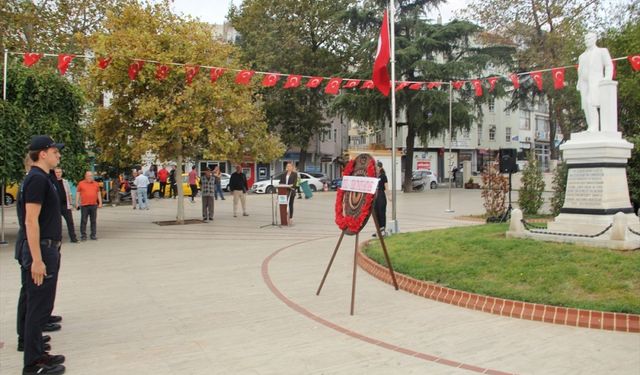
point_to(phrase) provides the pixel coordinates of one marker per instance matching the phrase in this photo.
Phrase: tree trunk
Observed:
(178, 174)
(303, 159)
(553, 123)
(408, 159)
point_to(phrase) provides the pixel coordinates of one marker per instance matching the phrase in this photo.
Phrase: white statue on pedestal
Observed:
(594, 67)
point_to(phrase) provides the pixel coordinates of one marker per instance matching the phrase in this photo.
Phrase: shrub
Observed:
(559, 188)
(495, 187)
(530, 197)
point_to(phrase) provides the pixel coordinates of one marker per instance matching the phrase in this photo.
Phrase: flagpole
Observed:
(450, 138)
(394, 220)
(4, 97)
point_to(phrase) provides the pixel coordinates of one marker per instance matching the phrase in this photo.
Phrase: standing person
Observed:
(290, 178)
(380, 202)
(207, 184)
(173, 190)
(41, 222)
(163, 176)
(88, 200)
(142, 182)
(193, 183)
(134, 188)
(67, 204)
(218, 176)
(238, 187)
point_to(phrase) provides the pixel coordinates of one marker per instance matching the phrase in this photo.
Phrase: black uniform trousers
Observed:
(380, 208)
(68, 217)
(38, 300)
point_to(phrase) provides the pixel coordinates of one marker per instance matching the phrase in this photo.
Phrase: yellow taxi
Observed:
(10, 194)
(186, 188)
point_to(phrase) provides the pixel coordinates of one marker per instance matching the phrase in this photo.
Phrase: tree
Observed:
(170, 117)
(559, 182)
(424, 52)
(549, 34)
(50, 105)
(495, 187)
(308, 37)
(530, 194)
(14, 136)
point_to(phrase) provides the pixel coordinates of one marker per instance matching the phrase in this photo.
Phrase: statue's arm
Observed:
(608, 64)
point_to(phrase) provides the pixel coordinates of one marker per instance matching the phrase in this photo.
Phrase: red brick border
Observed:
(514, 309)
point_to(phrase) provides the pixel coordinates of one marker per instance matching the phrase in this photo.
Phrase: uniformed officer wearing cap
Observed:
(41, 221)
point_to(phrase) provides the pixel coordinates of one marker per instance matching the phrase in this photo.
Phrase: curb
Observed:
(610, 321)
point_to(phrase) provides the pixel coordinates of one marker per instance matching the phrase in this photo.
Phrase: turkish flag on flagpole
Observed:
(381, 78)
(31, 58)
(63, 62)
(558, 78)
(293, 80)
(270, 80)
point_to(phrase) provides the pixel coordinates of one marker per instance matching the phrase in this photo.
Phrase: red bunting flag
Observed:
(333, 86)
(492, 83)
(458, 85)
(190, 72)
(135, 68)
(293, 81)
(63, 62)
(634, 60)
(558, 78)
(314, 82)
(351, 83)
(433, 85)
(270, 80)
(30, 58)
(215, 73)
(515, 79)
(103, 62)
(244, 77)
(402, 85)
(477, 86)
(162, 72)
(537, 78)
(416, 86)
(380, 73)
(368, 85)
(615, 69)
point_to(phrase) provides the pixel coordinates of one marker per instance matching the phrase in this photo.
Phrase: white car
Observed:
(224, 181)
(427, 178)
(265, 186)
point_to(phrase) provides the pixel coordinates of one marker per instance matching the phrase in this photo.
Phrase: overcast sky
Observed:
(215, 11)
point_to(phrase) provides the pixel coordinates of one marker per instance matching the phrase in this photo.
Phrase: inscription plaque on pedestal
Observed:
(584, 188)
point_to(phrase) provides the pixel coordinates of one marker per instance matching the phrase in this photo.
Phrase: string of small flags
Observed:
(333, 84)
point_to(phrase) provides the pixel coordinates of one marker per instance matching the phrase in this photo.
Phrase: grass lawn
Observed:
(481, 259)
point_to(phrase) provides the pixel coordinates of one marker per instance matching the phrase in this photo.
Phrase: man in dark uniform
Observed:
(40, 220)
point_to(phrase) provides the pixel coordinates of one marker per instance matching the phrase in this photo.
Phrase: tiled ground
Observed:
(210, 299)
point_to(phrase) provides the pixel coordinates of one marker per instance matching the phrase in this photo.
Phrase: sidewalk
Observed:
(229, 297)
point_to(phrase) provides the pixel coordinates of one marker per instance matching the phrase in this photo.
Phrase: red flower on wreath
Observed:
(351, 224)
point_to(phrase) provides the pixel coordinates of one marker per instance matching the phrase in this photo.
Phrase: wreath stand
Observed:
(355, 262)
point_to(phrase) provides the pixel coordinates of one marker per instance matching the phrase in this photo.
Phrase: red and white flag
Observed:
(634, 60)
(63, 62)
(477, 85)
(416, 86)
(351, 83)
(30, 58)
(515, 79)
(162, 72)
(558, 78)
(314, 82)
(368, 85)
(215, 74)
(190, 72)
(537, 78)
(380, 73)
(244, 77)
(433, 85)
(293, 80)
(492, 83)
(270, 80)
(103, 62)
(333, 86)
(402, 86)
(457, 85)
(135, 68)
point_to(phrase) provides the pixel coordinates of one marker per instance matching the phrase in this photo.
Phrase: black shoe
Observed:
(51, 327)
(74, 240)
(211, 218)
(83, 238)
(94, 238)
(46, 338)
(51, 360)
(55, 319)
(43, 369)
(46, 347)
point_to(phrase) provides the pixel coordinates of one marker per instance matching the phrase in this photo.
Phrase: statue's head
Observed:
(590, 39)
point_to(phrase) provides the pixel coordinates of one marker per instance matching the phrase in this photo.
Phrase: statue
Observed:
(594, 67)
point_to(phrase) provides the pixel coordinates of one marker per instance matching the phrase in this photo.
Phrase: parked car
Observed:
(186, 188)
(224, 181)
(426, 178)
(265, 186)
(320, 176)
(336, 183)
(10, 194)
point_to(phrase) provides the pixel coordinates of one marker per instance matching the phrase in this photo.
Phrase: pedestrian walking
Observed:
(142, 182)
(134, 189)
(218, 176)
(66, 203)
(88, 200)
(207, 184)
(163, 176)
(41, 223)
(193, 183)
(380, 202)
(173, 190)
(238, 187)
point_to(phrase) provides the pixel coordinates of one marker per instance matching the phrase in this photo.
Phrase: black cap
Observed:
(43, 142)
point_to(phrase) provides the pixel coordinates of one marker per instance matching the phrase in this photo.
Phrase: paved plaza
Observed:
(232, 297)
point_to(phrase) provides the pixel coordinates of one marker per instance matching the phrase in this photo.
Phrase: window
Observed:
(492, 105)
(335, 135)
(525, 120)
(479, 134)
(492, 133)
(507, 134)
